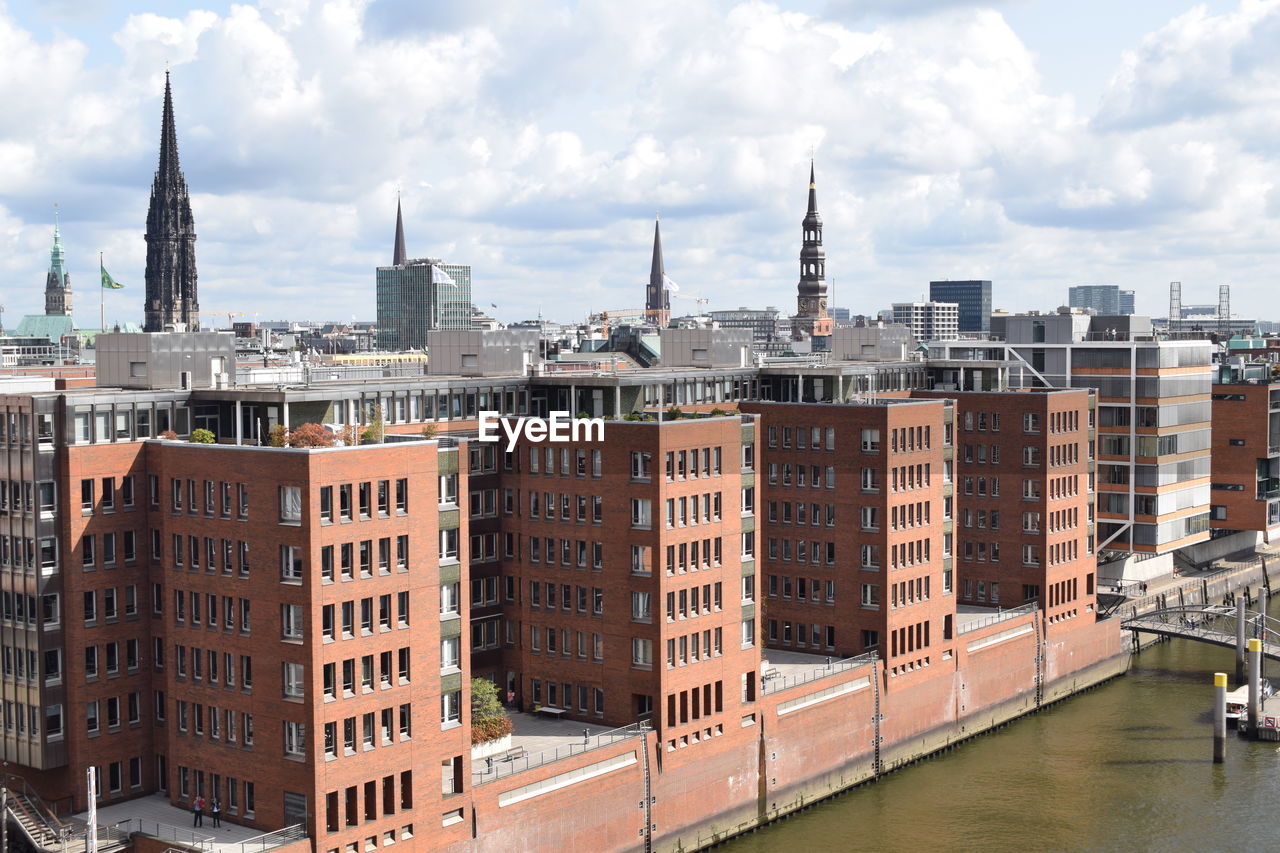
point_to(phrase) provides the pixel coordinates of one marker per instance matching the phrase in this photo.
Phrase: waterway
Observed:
(1125, 767)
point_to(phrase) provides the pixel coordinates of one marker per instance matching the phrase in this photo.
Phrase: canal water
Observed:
(1125, 767)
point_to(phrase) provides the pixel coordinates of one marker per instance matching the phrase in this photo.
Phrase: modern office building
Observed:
(416, 295)
(973, 298)
(1153, 419)
(1107, 299)
(929, 321)
(766, 325)
(171, 298)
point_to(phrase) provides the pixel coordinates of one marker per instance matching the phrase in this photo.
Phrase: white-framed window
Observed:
(290, 504)
(295, 738)
(290, 621)
(641, 652)
(295, 675)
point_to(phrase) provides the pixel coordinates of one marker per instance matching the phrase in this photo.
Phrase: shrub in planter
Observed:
(202, 436)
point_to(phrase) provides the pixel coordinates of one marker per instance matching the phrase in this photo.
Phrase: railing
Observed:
(998, 616)
(31, 804)
(503, 767)
(168, 832)
(278, 838)
(772, 683)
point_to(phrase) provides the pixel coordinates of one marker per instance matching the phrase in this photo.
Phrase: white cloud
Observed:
(536, 140)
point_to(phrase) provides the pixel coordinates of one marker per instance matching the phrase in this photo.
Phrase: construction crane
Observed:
(227, 314)
(701, 300)
(613, 316)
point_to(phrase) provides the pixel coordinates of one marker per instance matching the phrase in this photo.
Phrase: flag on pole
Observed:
(109, 283)
(668, 284)
(440, 276)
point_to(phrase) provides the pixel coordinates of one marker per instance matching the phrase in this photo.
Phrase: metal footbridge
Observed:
(1215, 624)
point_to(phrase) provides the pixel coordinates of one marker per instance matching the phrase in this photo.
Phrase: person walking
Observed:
(197, 811)
(215, 810)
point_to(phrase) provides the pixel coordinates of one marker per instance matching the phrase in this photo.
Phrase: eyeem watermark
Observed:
(557, 428)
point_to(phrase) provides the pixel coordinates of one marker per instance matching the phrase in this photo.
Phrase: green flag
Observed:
(109, 283)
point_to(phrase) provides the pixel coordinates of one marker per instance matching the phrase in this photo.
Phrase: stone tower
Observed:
(57, 286)
(171, 238)
(811, 319)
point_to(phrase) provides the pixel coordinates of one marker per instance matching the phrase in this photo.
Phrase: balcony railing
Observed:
(501, 767)
(998, 616)
(772, 684)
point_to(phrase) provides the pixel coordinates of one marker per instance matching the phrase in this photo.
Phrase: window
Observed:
(641, 513)
(290, 621)
(290, 504)
(870, 595)
(294, 680)
(641, 653)
(290, 563)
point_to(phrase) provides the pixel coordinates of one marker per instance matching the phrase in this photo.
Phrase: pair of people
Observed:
(197, 811)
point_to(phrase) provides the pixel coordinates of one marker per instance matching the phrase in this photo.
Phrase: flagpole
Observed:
(102, 298)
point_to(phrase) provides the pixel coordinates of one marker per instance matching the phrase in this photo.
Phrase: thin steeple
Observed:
(656, 271)
(168, 138)
(57, 284)
(398, 254)
(171, 278)
(657, 299)
(813, 192)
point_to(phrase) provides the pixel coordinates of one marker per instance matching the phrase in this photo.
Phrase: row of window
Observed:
(339, 620)
(194, 609)
(694, 704)
(28, 498)
(803, 634)
(804, 551)
(99, 660)
(386, 669)
(692, 648)
(570, 599)
(686, 603)
(223, 725)
(812, 476)
(217, 497)
(802, 589)
(291, 500)
(343, 807)
(231, 805)
(801, 512)
(94, 713)
(359, 556)
(560, 695)
(805, 437)
(382, 728)
(199, 671)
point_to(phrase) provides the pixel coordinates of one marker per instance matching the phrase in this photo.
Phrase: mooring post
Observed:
(1240, 638)
(1219, 717)
(1255, 685)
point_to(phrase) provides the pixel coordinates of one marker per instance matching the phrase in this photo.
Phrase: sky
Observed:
(1030, 142)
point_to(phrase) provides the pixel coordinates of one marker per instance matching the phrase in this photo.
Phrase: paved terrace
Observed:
(537, 739)
(781, 669)
(970, 617)
(153, 815)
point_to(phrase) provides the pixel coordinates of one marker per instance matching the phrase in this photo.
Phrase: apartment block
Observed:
(854, 530)
(1024, 511)
(1245, 491)
(629, 582)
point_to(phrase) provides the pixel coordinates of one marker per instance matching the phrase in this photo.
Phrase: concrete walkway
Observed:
(153, 815)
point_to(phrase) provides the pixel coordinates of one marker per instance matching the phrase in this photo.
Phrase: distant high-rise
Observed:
(973, 297)
(657, 297)
(1105, 299)
(811, 319)
(57, 285)
(416, 295)
(928, 321)
(171, 238)
(1127, 299)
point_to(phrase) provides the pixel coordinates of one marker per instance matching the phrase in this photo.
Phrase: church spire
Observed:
(812, 319)
(171, 236)
(657, 300)
(57, 284)
(398, 254)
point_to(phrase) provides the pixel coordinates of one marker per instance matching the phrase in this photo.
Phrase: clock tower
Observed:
(811, 319)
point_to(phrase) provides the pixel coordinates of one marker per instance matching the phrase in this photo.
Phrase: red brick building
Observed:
(1024, 520)
(854, 544)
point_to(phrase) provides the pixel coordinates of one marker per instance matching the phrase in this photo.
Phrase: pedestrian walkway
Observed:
(155, 815)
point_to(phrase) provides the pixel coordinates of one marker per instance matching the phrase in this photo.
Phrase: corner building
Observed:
(855, 531)
(631, 576)
(1024, 513)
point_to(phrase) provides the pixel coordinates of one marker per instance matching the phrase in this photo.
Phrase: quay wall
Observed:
(799, 745)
